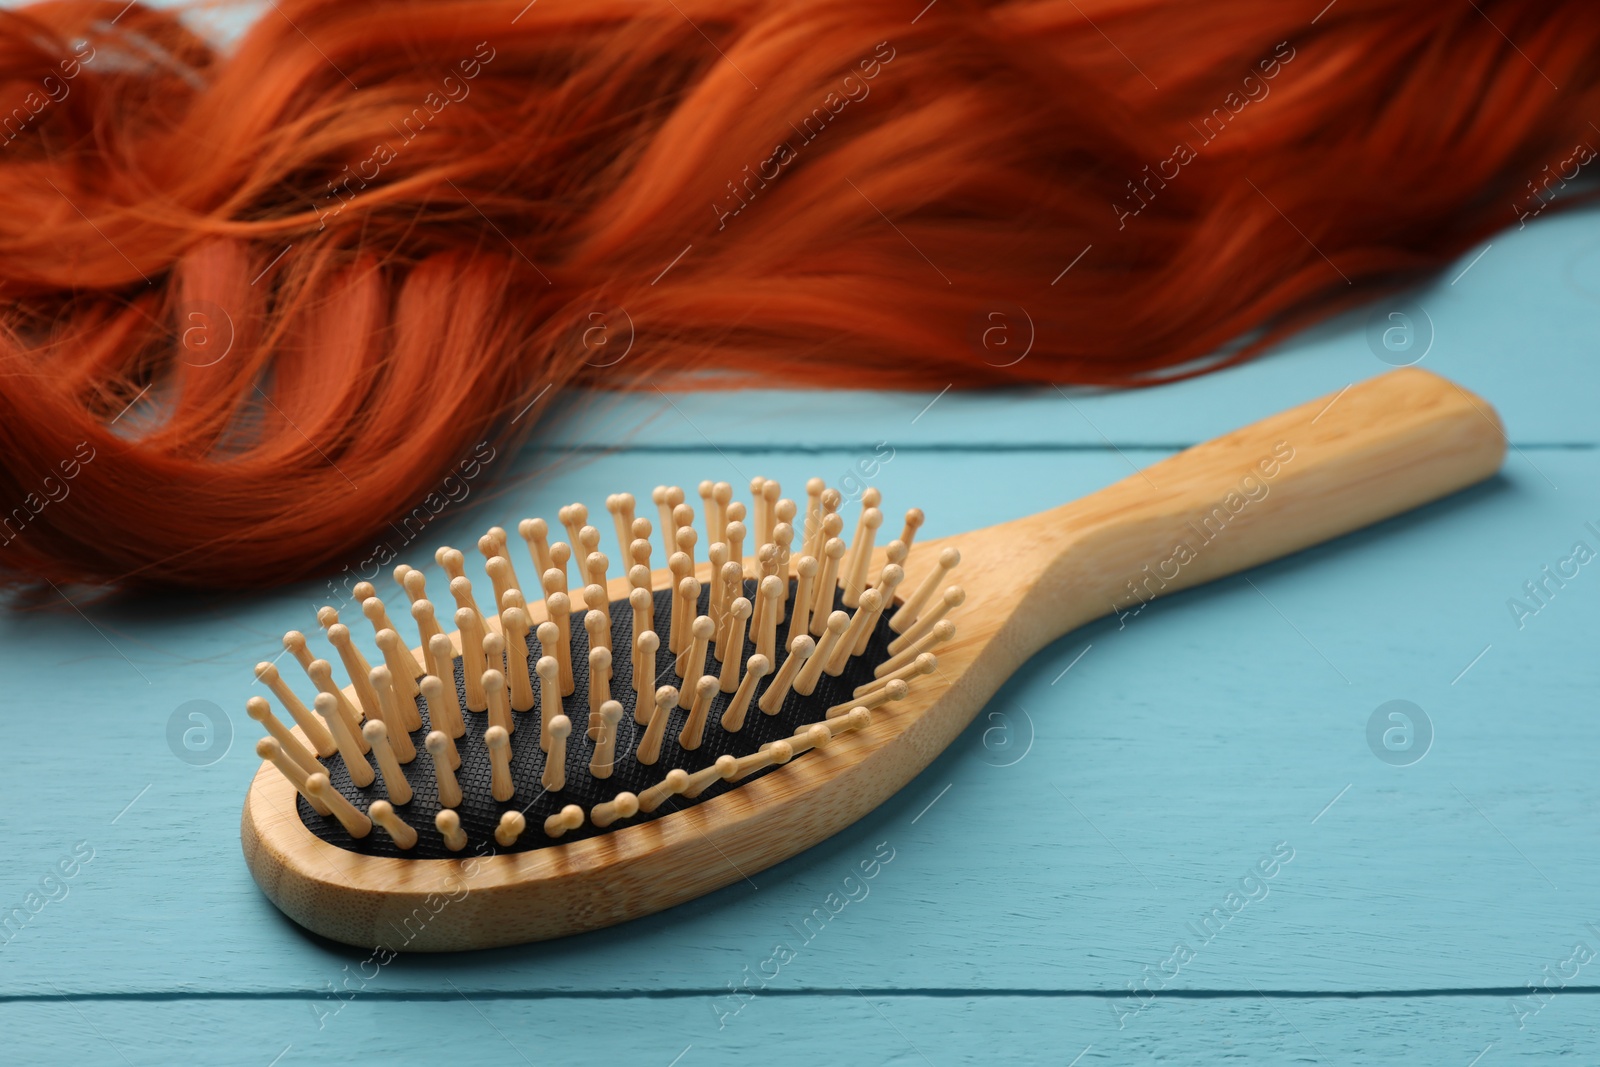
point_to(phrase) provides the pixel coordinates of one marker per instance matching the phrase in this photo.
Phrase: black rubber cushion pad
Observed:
(480, 813)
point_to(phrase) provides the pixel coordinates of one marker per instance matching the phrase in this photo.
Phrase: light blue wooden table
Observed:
(1115, 792)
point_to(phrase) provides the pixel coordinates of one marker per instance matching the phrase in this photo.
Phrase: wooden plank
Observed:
(1165, 761)
(1515, 327)
(869, 1028)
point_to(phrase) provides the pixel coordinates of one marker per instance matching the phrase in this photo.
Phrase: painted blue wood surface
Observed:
(866, 1028)
(1170, 758)
(1110, 798)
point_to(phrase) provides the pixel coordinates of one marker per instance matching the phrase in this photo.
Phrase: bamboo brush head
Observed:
(603, 703)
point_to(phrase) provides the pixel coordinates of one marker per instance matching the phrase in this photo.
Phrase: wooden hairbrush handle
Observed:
(1290, 481)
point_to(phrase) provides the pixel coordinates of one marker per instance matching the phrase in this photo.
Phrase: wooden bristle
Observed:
(756, 668)
(857, 718)
(512, 824)
(725, 767)
(599, 687)
(805, 589)
(402, 668)
(914, 520)
(644, 651)
(549, 695)
(356, 666)
(494, 686)
(536, 532)
(376, 613)
(868, 607)
(733, 640)
(587, 548)
(650, 744)
(444, 702)
(717, 528)
(644, 607)
(621, 507)
(453, 563)
(516, 628)
(688, 602)
(498, 742)
(555, 764)
(674, 783)
(699, 638)
(800, 650)
(294, 643)
(895, 690)
(604, 756)
(926, 663)
(770, 592)
(269, 749)
(440, 748)
(624, 806)
(718, 555)
(461, 591)
(382, 813)
(449, 825)
(949, 559)
(883, 592)
(321, 674)
(861, 556)
(472, 660)
(817, 735)
(345, 736)
(943, 630)
(567, 819)
(694, 727)
(501, 577)
(832, 629)
(560, 556)
(573, 518)
(354, 822)
(768, 755)
(316, 733)
(953, 597)
(686, 536)
(391, 714)
(733, 537)
(596, 623)
(560, 613)
(677, 629)
(394, 779)
(415, 584)
(428, 629)
(827, 581)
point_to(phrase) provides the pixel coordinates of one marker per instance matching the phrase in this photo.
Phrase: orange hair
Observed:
(259, 300)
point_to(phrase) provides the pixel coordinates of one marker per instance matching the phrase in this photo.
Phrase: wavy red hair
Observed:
(275, 292)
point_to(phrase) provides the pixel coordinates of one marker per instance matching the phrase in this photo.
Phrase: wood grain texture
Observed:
(865, 1029)
(1362, 455)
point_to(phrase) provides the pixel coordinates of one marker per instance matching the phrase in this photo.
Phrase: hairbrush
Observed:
(597, 742)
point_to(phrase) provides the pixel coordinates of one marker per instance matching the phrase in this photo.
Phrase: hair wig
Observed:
(257, 299)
